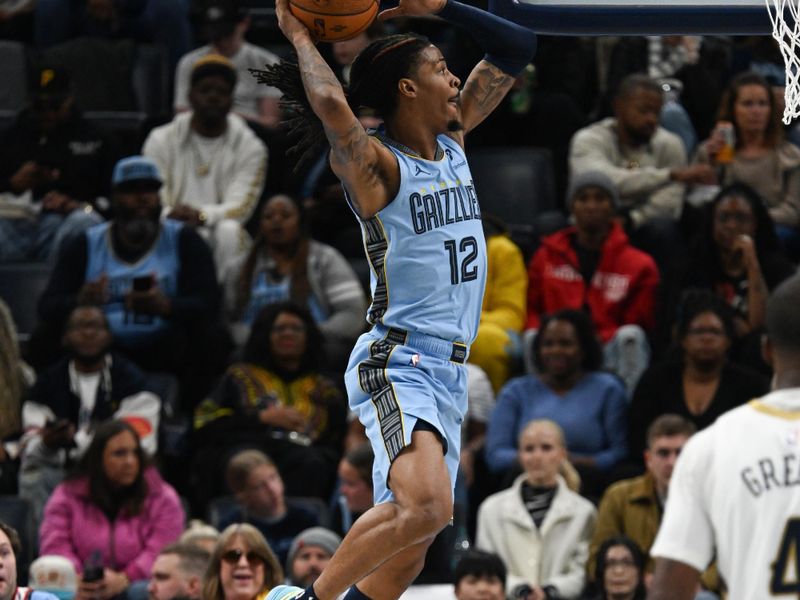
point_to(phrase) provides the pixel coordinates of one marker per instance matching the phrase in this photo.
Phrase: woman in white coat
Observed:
(540, 527)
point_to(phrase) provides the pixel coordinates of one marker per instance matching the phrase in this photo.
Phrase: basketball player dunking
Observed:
(411, 189)
(736, 487)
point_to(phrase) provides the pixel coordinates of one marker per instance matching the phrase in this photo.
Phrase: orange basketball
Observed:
(335, 20)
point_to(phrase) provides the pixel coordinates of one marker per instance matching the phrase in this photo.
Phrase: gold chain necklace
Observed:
(203, 168)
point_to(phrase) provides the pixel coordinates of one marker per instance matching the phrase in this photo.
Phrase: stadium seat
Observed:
(14, 75)
(21, 284)
(516, 184)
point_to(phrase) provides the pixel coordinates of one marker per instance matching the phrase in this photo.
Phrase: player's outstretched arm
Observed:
(509, 48)
(357, 160)
(674, 580)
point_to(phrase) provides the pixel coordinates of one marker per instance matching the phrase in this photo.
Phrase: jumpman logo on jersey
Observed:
(419, 170)
(449, 154)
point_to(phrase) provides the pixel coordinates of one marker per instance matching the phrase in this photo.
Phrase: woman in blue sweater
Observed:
(589, 405)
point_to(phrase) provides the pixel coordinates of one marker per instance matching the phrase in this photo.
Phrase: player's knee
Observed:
(428, 515)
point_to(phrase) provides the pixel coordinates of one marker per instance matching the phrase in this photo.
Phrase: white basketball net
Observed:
(785, 17)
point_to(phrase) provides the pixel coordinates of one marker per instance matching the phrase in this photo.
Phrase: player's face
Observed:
(263, 493)
(638, 114)
(752, 109)
(560, 349)
(732, 217)
(167, 580)
(621, 575)
(280, 221)
(706, 342)
(485, 587)
(541, 454)
(660, 458)
(357, 492)
(437, 91)
(288, 337)
(592, 208)
(308, 565)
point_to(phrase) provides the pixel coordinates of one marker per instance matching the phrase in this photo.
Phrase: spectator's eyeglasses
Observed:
(233, 557)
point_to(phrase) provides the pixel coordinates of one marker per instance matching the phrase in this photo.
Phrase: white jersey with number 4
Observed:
(736, 490)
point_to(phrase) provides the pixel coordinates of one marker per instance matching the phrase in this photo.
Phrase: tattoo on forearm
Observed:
(486, 87)
(314, 70)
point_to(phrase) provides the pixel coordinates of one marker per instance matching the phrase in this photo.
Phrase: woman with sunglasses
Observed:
(242, 567)
(700, 383)
(113, 517)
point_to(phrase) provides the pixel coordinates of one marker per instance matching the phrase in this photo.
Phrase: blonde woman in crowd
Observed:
(540, 527)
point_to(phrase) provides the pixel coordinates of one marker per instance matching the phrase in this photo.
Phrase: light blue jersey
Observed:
(132, 329)
(428, 259)
(427, 249)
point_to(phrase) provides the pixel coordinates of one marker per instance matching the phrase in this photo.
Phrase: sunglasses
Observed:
(234, 556)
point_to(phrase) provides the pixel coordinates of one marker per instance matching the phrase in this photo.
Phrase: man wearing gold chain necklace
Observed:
(213, 164)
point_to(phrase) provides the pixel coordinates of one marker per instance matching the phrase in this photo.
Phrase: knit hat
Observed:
(54, 574)
(592, 179)
(213, 64)
(313, 536)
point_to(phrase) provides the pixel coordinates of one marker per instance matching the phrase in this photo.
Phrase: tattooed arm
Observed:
(368, 170)
(486, 86)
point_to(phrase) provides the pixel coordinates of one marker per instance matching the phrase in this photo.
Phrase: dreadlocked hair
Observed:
(373, 78)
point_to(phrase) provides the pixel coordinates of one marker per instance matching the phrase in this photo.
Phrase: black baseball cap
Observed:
(52, 80)
(220, 17)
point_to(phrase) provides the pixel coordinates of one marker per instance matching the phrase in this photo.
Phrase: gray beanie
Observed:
(313, 536)
(595, 179)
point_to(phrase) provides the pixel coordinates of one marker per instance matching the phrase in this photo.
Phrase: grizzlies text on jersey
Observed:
(426, 248)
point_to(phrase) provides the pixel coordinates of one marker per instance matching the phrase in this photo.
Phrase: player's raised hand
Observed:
(412, 8)
(290, 25)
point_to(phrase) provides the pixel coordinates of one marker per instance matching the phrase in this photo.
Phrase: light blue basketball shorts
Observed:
(396, 378)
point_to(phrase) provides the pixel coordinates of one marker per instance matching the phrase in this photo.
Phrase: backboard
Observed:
(640, 17)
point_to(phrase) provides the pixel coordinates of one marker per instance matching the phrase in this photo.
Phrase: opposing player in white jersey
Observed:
(412, 191)
(736, 488)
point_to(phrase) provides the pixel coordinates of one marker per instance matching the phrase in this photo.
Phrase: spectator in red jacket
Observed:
(592, 266)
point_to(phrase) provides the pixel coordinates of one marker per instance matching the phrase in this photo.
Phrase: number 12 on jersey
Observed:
(467, 271)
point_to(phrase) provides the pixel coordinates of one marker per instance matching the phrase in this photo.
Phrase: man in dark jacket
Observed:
(72, 397)
(54, 166)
